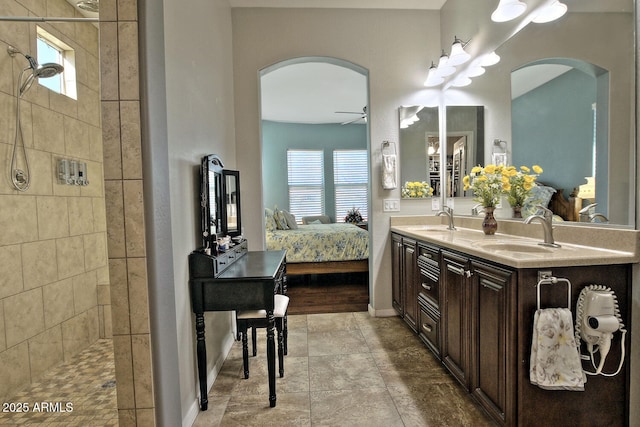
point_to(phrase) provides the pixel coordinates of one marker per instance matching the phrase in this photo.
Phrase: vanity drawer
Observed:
(430, 286)
(429, 326)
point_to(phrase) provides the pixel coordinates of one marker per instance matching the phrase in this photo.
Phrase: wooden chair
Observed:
(258, 319)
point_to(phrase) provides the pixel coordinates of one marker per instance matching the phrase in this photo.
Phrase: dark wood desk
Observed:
(247, 284)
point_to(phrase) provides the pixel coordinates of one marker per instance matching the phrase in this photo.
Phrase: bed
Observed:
(319, 248)
(563, 209)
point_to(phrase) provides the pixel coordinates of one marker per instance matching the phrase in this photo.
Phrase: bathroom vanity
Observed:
(471, 299)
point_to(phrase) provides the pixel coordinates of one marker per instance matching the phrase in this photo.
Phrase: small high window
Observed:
(51, 49)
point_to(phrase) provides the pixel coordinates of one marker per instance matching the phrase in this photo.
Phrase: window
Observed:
(51, 49)
(306, 182)
(350, 177)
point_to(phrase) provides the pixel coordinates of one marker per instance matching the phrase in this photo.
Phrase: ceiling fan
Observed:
(362, 114)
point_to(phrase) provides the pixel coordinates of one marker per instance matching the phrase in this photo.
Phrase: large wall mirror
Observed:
(424, 158)
(589, 56)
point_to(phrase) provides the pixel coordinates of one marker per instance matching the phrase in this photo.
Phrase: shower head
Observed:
(47, 70)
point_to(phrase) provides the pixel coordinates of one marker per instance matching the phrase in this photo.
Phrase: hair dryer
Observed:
(598, 317)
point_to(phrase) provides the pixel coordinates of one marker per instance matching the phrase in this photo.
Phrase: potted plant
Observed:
(353, 216)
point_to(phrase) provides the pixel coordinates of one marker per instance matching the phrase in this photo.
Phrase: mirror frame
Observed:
(235, 176)
(211, 185)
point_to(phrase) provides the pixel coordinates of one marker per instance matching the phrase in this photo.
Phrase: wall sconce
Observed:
(489, 59)
(444, 68)
(433, 79)
(458, 55)
(550, 13)
(508, 10)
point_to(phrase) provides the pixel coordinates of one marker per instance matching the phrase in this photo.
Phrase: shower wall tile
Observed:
(119, 296)
(96, 182)
(143, 377)
(108, 59)
(134, 218)
(39, 263)
(7, 115)
(42, 173)
(124, 371)
(104, 294)
(76, 135)
(126, 417)
(127, 10)
(138, 295)
(11, 277)
(129, 76)
(95, 143)
(3, 341)
(14, 369)
(115, 218)
(99, 214)
(53, 217)
(94, 324)
(48, 135)
(15, 33)
(75, 335)
(81, 219)
(45, 351)
(18, 219)
(131, 140)
(58, 302)
(95, 251)
(23, 316)
(88, 105)
(70, 256)
(145, 417)
(63, 104)
(85, 293)
(111, 140)
(105, 315)
(108, 11)
(5, 153)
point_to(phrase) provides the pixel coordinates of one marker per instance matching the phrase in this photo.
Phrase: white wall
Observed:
(189, 70)
(395, 46)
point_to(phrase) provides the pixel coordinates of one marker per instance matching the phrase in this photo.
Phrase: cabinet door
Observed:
(455, 316)
(410, 283)
(396, 273)
(492, 344)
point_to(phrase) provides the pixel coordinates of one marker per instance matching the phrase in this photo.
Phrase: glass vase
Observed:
(489, 223)
(517, 211)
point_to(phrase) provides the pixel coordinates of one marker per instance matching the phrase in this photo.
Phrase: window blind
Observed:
(351, 177)
(305, 170)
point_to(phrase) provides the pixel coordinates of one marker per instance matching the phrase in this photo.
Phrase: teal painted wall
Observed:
(553, 127)
(278, 137)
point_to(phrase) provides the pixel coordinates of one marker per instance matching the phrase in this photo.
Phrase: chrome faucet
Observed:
(594, 216)
(449, 213)
(474, 210)
(584, 212)
(546, 220)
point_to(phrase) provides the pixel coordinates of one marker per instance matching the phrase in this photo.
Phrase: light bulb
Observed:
(508, 10)
(550, 13)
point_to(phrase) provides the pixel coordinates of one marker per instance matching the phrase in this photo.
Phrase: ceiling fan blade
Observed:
(352, 121)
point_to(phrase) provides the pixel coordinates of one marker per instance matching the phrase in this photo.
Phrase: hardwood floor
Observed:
(328, 293)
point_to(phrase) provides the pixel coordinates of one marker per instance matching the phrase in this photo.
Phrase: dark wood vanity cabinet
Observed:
(476, 316)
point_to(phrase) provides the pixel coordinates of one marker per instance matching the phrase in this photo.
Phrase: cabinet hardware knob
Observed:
(468, 273)
(425, 286)
(427, 327)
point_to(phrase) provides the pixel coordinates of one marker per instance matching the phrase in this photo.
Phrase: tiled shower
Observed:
(54, 288)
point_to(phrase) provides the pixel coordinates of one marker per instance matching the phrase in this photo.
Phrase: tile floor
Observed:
(343, 369)
(80, 392)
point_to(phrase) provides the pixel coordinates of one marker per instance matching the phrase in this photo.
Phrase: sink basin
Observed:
(428, 228)
(515, 247)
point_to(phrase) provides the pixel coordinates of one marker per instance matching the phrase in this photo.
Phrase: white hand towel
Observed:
(389, 172)
(555, 362)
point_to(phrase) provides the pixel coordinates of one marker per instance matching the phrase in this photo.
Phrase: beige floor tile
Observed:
(370, 407)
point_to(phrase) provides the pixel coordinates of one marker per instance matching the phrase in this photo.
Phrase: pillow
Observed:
(269, 220)
(291, 220)
(317, 221)
(281, 221)
(540, 195)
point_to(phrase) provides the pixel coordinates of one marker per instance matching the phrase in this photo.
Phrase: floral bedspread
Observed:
(321, 242)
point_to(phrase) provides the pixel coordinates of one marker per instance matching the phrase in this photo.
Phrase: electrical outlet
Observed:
(391, 205)
(435, 204)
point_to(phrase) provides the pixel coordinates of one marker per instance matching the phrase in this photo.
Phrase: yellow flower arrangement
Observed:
(487, 183)
(416, 189)
(521, 182)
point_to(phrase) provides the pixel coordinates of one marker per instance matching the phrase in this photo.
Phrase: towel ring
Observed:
(553, 281)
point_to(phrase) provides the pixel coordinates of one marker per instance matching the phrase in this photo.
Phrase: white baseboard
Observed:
(388, 312)
(194, 408)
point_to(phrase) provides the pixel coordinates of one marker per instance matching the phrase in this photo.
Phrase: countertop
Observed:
(518, 251)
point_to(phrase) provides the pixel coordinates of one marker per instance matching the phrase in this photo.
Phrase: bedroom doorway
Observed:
(314, 110)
